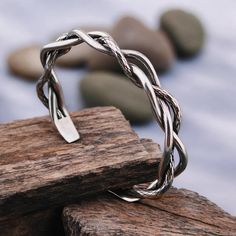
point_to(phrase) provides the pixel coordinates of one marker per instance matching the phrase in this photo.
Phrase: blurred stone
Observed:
(78, 56)
(25, 62)
(110, 89)
(184, 30)
(131, 33)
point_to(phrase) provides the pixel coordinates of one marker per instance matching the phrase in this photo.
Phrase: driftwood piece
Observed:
(39, 170)
(178, 212)
(48, 222)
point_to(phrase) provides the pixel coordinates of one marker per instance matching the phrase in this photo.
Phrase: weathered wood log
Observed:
(39, 170)
(177, 212)
(48, 222)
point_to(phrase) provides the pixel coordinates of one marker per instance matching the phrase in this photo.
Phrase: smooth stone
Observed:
(110, 89)
(130, 33)
(184, 30)
(25, 62)
(79, 55)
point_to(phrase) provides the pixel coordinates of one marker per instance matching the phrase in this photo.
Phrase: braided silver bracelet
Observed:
(165, 107)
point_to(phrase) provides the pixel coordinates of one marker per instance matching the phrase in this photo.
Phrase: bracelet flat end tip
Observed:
(67, 129)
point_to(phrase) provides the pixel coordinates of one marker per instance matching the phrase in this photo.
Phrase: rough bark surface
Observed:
(178, 212)
(39, 170)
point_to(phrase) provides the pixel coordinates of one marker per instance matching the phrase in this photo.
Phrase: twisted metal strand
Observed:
(169, 99)
(114, 51)
(164, 106)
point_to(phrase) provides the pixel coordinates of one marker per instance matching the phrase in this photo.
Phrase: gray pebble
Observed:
(184, 30)
(110, 89)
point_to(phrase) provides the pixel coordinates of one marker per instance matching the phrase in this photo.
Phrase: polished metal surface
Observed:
(164, 106)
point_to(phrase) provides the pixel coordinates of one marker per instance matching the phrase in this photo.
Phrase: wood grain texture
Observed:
(178, 212)
(39, 170)
(48, 222)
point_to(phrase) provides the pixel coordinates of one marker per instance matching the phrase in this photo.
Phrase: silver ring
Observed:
(164, 106)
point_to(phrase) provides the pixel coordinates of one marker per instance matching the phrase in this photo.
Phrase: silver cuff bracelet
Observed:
(165, 107)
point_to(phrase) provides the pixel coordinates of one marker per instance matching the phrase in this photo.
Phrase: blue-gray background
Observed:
(205, 86)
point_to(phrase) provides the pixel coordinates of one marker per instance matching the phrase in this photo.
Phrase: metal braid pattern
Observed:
(164, 106)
